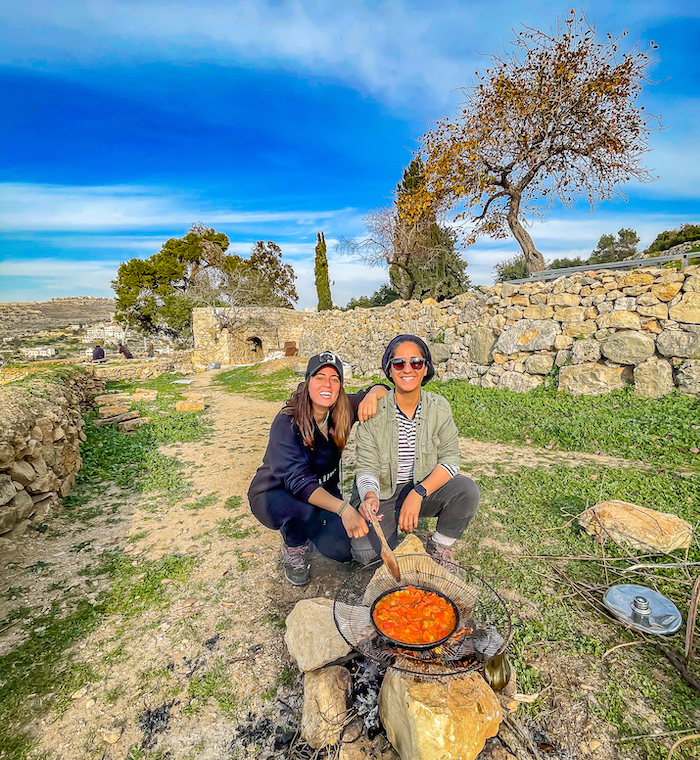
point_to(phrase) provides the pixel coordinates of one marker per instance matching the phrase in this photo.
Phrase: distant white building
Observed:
(101, 332)
(37, 351)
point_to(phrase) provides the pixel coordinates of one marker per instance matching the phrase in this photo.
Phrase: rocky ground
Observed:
(182, 674)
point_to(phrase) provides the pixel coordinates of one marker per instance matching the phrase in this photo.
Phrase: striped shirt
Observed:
(406, 458)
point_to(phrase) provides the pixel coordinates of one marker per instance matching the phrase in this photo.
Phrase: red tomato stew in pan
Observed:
(414, 616)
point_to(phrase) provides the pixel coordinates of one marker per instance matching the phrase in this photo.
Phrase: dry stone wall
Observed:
(591, 332)
(41, 428)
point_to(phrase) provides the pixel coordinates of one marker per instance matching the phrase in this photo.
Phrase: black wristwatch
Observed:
(419, 488)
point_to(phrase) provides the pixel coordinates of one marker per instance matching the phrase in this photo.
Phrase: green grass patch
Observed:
(233, 502)
(230, 527)
(207, 500)
(620, 424)
(214, 684)
(276, 386)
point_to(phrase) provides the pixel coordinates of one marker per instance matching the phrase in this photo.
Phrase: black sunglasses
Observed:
(417, 363)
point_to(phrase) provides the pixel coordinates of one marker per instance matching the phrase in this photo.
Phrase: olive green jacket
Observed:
(377, 441)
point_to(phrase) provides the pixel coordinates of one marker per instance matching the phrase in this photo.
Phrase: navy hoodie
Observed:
(288, 464)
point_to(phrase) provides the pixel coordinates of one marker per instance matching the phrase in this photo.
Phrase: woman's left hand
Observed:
(410, 511)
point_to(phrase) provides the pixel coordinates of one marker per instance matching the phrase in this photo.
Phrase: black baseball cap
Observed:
(325, 359)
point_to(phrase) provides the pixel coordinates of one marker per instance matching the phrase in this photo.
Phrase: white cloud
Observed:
(35, 207)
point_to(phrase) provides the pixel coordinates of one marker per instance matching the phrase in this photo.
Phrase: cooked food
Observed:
(414, 616)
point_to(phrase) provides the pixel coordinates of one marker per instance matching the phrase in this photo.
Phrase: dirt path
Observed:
(211, 649)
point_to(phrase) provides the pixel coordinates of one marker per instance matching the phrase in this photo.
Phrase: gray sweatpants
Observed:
(454, 505)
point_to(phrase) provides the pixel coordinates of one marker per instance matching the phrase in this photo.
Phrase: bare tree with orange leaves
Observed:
(552, 121)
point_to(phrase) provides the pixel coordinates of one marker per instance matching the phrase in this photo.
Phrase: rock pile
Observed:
(41, 428)
(115, 409)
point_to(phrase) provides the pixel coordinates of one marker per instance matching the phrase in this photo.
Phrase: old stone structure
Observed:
(243, 336)
(592, 332)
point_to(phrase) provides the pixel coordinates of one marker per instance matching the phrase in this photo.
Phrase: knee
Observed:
(469, 493)
(362, 550)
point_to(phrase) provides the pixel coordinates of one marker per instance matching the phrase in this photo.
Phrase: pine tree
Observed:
(323, 287)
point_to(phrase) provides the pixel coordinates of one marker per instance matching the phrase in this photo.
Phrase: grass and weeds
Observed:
(43, 671)
(662, 431)
(273, 387)
(529, 511)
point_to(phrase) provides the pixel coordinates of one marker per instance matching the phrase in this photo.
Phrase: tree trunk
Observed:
(533, 258)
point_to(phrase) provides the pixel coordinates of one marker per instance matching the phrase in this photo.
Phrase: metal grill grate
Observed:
(483, 628)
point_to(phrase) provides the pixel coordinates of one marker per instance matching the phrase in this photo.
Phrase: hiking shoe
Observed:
(297, 566)
(440, 554)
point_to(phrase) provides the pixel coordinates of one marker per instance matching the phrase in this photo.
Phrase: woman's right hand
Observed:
(369, 507)
(353, 523)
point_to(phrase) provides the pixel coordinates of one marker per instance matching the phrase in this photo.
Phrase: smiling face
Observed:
(324, 388)
(407, 379)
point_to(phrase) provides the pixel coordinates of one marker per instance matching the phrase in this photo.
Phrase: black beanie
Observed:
(397, 341)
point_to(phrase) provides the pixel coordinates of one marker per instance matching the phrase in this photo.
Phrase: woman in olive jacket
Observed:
(408, 459)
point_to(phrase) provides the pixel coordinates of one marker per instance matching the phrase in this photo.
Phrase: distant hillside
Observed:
(21, 318)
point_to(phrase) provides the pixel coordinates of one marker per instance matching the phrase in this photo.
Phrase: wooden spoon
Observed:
(388, 556)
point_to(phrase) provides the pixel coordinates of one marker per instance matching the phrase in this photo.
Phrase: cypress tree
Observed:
(323, 287)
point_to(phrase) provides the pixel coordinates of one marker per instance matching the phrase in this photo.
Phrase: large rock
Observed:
(620, 320)
(641, 528)
(653, 378)
(47, 482)
(110, 411)
(527, 335)
(189, 406)
(326, 696)
(680, 343)
(22, 472)
(628, 347)
(539, 364)
(23, 503)
(440, 352)
(688, 377)
(7, 454)
(665, 291)
(592, 379)
(636, 278)
(446, 720)
(7, 490)
(538, 311)
(481, 345)
(586, 350)
(687, 309)
(311, 636)
(517, 382)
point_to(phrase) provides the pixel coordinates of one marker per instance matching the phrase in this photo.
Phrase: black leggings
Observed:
(299, 522)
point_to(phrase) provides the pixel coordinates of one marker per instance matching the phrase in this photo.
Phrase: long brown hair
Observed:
(299, 406)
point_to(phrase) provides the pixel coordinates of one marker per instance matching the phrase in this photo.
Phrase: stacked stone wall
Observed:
(121, 369)
(41, 428)
(590, 332)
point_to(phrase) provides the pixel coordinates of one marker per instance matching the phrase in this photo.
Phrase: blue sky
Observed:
(123, 122)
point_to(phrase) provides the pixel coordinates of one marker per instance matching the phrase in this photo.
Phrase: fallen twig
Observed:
(680, 741)
(515, 728)
(664, 566)
(655, 736)
(692, 617)
(620, 646)
(678, 664)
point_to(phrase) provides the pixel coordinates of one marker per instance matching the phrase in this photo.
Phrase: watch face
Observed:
(420, 490)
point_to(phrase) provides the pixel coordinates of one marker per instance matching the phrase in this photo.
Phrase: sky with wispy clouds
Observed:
(122, 122)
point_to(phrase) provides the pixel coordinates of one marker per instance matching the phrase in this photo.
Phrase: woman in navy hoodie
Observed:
(296, 489)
